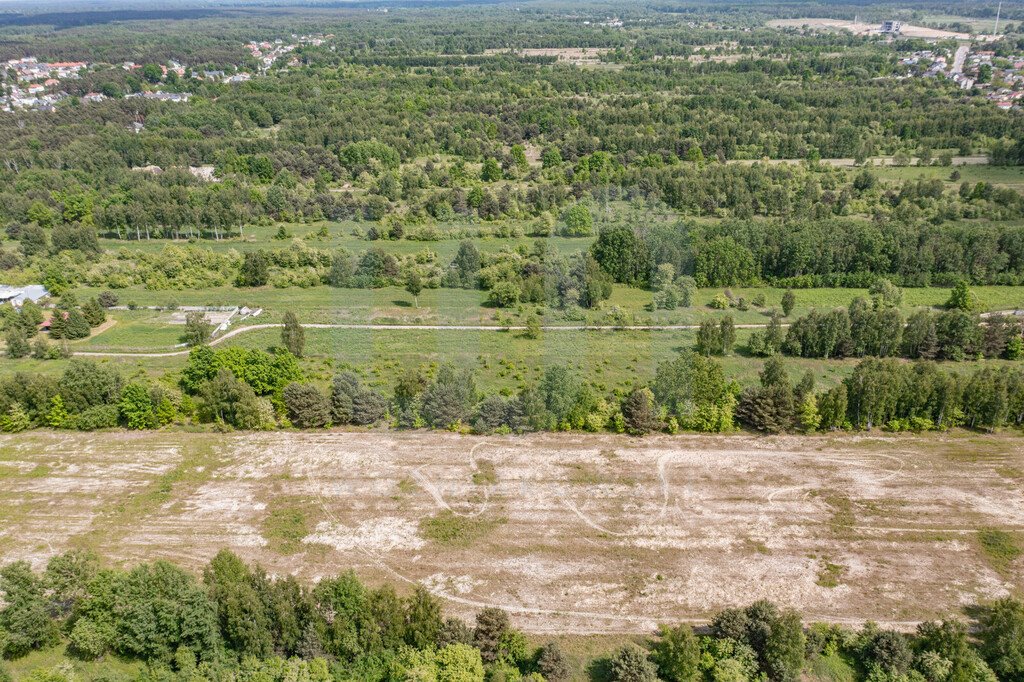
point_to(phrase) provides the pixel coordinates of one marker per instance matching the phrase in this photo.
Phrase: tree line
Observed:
(238, 622)
(252, 389)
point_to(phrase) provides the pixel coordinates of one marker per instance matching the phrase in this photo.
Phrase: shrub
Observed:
(307, 407)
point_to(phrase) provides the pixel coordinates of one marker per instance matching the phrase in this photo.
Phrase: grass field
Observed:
(1005, 176)
(151, 330)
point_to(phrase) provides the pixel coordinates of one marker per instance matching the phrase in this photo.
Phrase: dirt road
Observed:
(572, 533)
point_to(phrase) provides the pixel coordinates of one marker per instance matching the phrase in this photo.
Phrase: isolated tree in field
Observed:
(885, 294)
(414, 285)
(293, 336)
(788, 302)
(727, 334)
(533, 329)
(709, 338)
(961, 297)
(197, 329)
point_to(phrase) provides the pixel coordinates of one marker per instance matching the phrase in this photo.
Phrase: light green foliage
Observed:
(459, 663)
(962, 298)
(136, 407)
(579, 222)
(677, 654)
(15, 420)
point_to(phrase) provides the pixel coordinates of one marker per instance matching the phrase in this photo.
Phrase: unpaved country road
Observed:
(570, 533)
(414, 327)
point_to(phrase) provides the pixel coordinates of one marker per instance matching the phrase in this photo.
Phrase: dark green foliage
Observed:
(640, 412)
(136, 407)
(462, 272)
(788, 302)
(623, 255)
(722, 261)
(255, 270)
(884, 651)
(495, 412)
(450, 399)
(197, 329)
(552, 663)
(694, 390)
(961, 298)
(228, 400)
(351, 403)
(293, 336)
(1002, 639)
(307, 407)
(151, 611)
(769, 341)
(491, 625)
(776, 637)
(677, 654)
(17, 343)
(948, 640)
(632, 664)
(24, 617)
(69, 324)
(93, 312)
(772, 406)
(86, 384)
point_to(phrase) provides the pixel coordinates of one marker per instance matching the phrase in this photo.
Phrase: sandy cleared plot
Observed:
(563, 54)
(567, 532)
(861, 28)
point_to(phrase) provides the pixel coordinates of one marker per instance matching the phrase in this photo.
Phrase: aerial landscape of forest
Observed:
(466, 341)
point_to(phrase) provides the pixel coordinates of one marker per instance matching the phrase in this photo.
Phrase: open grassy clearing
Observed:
(665, 528)
(502, 361)
(152, 330)
(1004, 176)
(340, 236)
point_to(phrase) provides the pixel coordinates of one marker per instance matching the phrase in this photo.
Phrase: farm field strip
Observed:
(581, 533)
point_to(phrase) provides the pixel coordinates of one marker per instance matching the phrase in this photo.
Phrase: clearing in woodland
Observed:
(571, 534)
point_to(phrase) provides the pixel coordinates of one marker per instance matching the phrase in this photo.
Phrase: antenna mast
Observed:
(998, 11)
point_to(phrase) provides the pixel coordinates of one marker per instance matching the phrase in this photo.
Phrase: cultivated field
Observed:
(569, 533)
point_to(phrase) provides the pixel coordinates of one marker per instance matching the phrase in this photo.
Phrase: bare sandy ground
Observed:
(861, 28)
(570, 533)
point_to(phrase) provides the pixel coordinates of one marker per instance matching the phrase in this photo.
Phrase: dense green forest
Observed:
(159, 622)
(550, 160)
